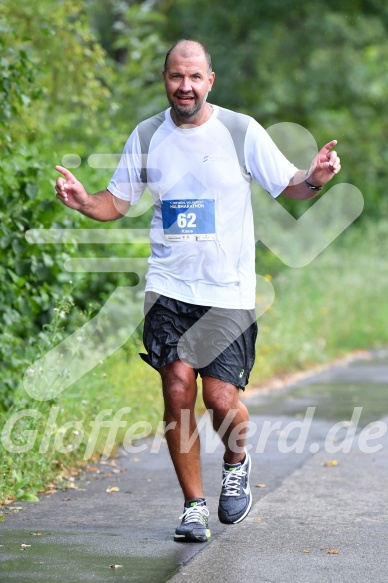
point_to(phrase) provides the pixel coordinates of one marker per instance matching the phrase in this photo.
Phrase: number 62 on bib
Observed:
(189, 220)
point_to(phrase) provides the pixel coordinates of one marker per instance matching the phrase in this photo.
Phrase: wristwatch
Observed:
(312, 186)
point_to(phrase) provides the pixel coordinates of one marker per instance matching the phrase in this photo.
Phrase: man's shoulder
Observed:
(152, 122)
(225, 114)
(147, 128)
(236, 123)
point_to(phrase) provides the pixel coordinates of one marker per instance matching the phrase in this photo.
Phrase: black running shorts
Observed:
(215, 342)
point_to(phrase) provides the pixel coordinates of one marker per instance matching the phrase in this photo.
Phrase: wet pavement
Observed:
(320, 465)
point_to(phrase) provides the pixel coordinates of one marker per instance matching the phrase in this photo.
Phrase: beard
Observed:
(185, 112)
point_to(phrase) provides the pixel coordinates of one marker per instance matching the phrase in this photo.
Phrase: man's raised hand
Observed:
(325, 165)
(69, 190)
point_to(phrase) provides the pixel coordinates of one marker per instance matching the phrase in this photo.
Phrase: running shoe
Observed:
(236, 497)
(194, 525)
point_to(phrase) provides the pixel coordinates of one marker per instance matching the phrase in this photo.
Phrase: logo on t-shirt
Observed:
(215, 159)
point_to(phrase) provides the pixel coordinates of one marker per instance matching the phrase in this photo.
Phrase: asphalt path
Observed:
(320, 465)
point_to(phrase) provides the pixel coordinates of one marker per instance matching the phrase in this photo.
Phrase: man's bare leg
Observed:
(180, 393)
(230, 419)
(222, 399)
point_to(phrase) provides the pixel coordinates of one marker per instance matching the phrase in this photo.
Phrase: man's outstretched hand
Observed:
(325, 165)
(70, 191)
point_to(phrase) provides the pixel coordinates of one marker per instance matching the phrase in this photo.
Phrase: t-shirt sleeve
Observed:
(126, 181)
(265, 162)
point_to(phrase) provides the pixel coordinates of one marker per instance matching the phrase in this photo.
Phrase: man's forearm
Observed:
(298, 187)
(103, 206)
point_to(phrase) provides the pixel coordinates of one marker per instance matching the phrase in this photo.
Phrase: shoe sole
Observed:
(187, 538)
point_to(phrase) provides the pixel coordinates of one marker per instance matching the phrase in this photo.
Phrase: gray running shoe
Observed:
(194, 525)
(236, 498)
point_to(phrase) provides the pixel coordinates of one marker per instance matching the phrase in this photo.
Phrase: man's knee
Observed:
(219, 397)
(179, 387)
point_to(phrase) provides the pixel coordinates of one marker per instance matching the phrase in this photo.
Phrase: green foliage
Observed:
(32, 80)
(136, 48)
(56, 85)
(56, 95)
(56, 69)
(43, 441)
(332, 307)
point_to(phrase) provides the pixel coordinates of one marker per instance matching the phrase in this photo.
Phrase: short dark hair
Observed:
(182, 41)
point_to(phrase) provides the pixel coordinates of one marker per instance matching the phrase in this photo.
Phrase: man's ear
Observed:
(211, 80)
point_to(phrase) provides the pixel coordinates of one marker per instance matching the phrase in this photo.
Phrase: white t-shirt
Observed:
(202, 238)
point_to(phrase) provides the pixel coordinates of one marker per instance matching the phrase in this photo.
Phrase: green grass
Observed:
(58, 437)
(336, 305)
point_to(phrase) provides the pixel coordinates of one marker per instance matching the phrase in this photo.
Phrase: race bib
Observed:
(189, 220)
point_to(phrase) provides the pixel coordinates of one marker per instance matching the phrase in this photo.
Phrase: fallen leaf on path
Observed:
(305, 551)
(332, 551)
(111, 463)
(135, 459)
(48, 489)
(260, 485)
(330, 463)
(112, 489)
(257, 518)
